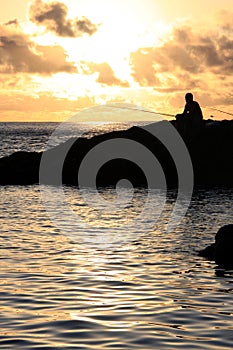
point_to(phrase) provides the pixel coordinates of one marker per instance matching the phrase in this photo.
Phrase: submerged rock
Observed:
(221, 251)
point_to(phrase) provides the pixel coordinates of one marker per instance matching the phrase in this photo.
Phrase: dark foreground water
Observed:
(149, 291)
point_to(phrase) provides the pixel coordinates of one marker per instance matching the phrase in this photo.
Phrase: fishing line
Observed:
(219, 110)
(140, 110)
(159, 113)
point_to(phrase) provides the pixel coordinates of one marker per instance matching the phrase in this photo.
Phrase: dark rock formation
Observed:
(20, 168)
(221, 251)
(211, 152)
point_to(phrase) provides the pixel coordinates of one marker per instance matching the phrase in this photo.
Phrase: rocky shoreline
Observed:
(211, 152)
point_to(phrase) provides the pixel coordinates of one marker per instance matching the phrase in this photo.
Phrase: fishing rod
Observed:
(158, 113)
(219, 110)
(141, 110)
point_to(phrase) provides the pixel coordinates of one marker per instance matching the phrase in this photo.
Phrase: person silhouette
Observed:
(192, 108)
(191, 120)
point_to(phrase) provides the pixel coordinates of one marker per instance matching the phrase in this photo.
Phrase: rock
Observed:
(211, 155)
(221, 251)
(20, 168)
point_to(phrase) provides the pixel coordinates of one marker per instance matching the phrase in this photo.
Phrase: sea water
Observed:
(80, 289)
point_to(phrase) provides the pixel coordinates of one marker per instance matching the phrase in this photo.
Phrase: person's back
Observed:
(190, 122)
(192, 109)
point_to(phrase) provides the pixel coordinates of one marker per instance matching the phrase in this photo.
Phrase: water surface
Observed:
(149, 291)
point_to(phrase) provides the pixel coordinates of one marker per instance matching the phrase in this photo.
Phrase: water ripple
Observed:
(152, 292)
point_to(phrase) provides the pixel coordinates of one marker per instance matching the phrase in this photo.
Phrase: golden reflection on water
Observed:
(149, 291)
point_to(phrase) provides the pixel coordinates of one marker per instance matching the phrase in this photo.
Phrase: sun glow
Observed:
(68, 86)
(103, 60)
(67, 53)
(121, 31)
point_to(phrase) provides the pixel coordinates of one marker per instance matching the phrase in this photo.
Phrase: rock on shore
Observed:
(221, 251)
(211, 153)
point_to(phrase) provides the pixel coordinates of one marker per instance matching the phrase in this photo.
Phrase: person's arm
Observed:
(185, 109)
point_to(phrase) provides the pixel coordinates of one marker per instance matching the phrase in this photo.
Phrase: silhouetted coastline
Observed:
(211, 152)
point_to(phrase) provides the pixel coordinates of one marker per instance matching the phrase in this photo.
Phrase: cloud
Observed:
(12, 22)
(224, 19)
(193, 53)
(144, 71)
(19, 54)
(53, 16)
(106, 74)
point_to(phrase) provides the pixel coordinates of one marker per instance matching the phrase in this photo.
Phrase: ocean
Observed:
(106, 285)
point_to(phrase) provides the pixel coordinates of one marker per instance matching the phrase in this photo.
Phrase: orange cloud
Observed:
(53, 16)
(106, 74)
(19, 54)
(188, 52)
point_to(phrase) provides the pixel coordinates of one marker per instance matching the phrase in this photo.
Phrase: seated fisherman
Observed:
(192, 117)
(192, 108)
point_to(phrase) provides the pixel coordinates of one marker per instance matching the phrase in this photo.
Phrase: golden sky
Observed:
(58, 57)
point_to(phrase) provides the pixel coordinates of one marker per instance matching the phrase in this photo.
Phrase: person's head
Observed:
(189, 97)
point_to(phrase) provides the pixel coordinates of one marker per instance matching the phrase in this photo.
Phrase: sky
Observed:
(60, 57)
